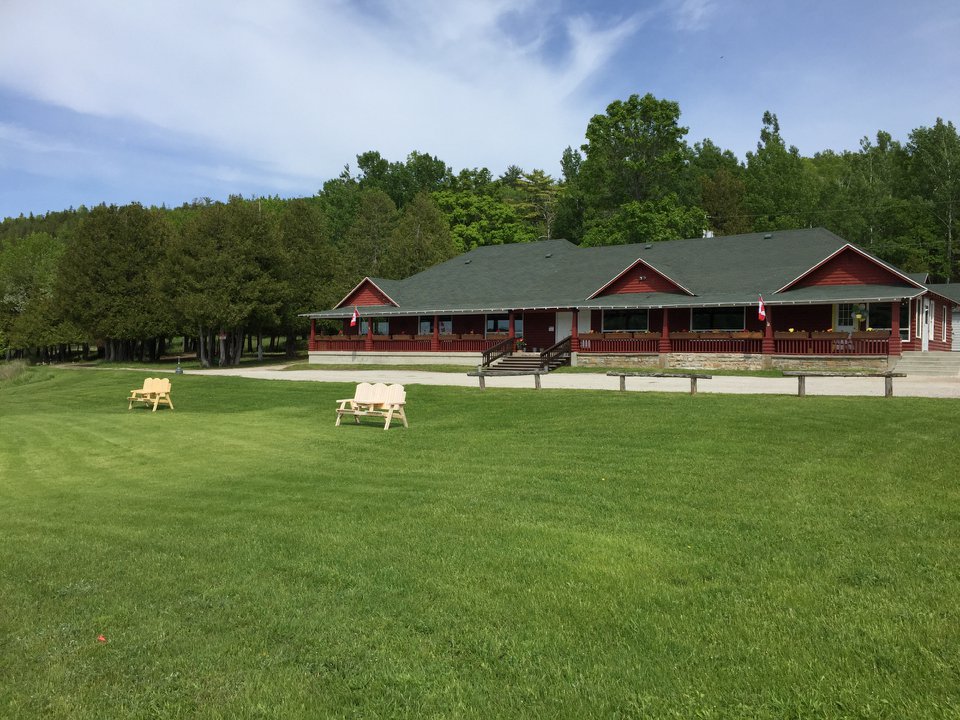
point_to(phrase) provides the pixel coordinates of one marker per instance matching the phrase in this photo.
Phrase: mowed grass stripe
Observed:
(513, 553)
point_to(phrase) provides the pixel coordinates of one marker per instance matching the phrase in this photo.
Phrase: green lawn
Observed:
(513, 553)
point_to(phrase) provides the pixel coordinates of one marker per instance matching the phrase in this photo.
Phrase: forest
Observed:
(126, 279)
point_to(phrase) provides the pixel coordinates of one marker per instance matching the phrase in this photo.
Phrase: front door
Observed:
(564, 324)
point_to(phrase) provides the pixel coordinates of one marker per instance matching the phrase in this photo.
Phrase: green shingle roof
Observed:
(550, 274)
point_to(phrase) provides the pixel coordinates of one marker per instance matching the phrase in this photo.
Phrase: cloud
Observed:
(295, 89)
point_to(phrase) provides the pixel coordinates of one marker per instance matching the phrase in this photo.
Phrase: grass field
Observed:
(512, 554)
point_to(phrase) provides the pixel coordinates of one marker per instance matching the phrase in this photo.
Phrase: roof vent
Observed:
(647, 246)
(767, 236)
(466, 262)
(549, 255)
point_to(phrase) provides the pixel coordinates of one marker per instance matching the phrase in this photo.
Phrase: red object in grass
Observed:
(101, 638)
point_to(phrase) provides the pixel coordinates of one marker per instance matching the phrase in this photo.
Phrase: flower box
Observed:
(403, 337)
(618, 336)
(647, 335)
(817, 335)
(799, 335)
(871, 335)
(684, 336)
(450, 336)
(750, 335)
(423, 337)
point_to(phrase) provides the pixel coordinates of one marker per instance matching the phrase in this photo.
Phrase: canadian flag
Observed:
(353, 319)
(761, 309)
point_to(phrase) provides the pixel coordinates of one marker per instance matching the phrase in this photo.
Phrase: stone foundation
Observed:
(735, 361)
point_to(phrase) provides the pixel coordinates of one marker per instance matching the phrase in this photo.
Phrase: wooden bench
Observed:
(155, 391)
(692, 376)
(484, 374)
(379, 400)
(802, 375)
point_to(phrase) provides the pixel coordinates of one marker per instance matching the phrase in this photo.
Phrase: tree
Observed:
(718, 176)
(481, 219)
(109, 282)
(366, 241)
(420, 239)
(635, 152)
(781, 190)
(648, 221)
(537, 202)
(225, 276)
(935, 170)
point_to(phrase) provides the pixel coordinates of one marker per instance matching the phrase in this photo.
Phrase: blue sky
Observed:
(161, 102)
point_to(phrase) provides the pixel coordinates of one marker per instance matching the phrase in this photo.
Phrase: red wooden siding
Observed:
(641, 279)
(851, 268)
(366, 294)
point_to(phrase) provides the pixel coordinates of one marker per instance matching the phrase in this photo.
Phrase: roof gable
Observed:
(850, 266)
(640, 277)
(366, 293)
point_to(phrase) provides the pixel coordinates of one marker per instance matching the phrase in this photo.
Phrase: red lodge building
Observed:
(683, 303)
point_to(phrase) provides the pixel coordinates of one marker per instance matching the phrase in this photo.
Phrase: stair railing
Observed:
(499, 350)
(559, 351)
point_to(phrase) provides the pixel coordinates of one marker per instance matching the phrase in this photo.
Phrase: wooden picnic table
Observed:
(802, 375)
(692, 376)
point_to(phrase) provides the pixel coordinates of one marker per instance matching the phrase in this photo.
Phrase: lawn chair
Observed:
(378, 400)
(155, 391)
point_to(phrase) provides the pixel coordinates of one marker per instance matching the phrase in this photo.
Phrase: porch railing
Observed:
(744, 346)
(618, 345)
(467, 343)
(558, 354)
(504, 347)
(840, 345)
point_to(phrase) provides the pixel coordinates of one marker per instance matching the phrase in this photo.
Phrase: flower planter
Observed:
(871, 335)
(748, 335)
(403, 337)
(829, 335)
(684, 336)
(800, 335)
(450, 336)
(646, 335)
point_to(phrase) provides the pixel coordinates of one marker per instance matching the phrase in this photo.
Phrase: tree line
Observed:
(129, 278)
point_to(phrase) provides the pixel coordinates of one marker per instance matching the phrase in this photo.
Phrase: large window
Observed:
(426, 325)
(878, 315)
(380, 326)
(723, 318)
(625, 320)
(500, 323)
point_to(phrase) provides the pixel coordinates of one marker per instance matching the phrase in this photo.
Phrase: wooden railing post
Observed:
(664, 345)
(313, 332)
(769, 346)
(512, 331)
(574, 332)
(895, 347)
(368, 341)
(435, 340)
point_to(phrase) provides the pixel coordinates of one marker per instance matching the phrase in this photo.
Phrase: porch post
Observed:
(512, 330)
(664, 344)
(435, 340)
(574, 332)
(313, 332)
(368, 342)
(895, 347)
(768, 345)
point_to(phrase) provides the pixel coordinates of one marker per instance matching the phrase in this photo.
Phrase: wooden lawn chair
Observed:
(386, 401)
(155, 391)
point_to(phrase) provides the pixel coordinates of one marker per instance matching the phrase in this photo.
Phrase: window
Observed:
(380, 326)
(625, 320)
(501, 323)
(723, 318)
(878, 315)
(426, 325)
(844, 315)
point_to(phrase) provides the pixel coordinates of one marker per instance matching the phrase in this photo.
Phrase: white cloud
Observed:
(300, 87)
